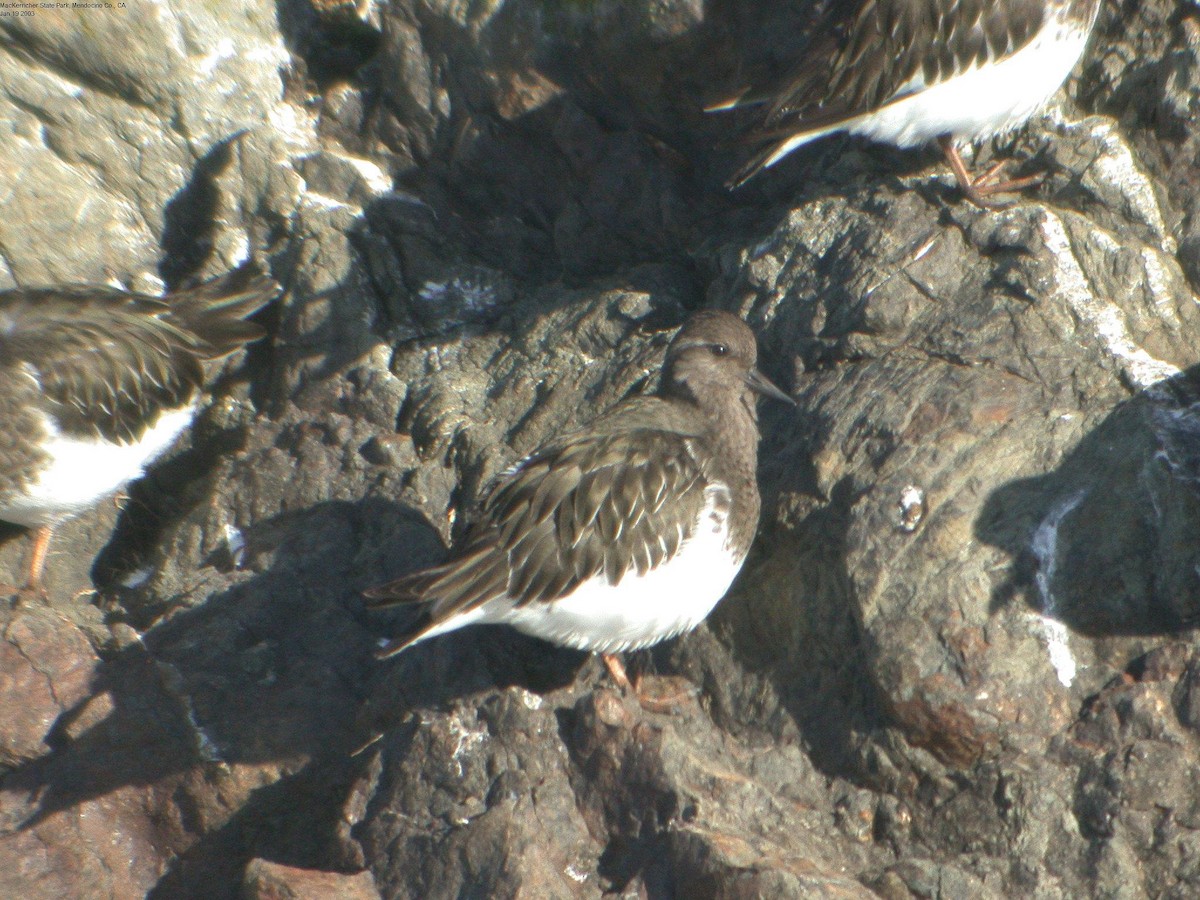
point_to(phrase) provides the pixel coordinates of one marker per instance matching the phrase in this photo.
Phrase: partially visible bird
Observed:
(96, 382)
(626, 532)
(908, 72)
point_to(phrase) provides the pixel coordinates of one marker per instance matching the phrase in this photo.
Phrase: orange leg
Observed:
(616, 669)
(37, 557)
(978, 190)
(37, 565)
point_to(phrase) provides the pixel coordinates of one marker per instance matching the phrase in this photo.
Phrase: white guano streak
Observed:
(1044, 547)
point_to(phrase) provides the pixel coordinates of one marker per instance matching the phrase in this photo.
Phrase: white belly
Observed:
(636, 612)
(983, 101)
(84, 471)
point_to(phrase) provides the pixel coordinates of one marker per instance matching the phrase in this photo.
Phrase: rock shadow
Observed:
(191, 217)
(163, 496)
(1105, 542)
(797, 664)
(299, 820)
(266, 670)
(573, 147)
(333, 46)
(276, 668)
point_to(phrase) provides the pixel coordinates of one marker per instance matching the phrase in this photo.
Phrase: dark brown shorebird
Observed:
(911, 72)
(96, 382)
(626, 532)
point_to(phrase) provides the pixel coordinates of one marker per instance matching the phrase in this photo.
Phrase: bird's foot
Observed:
(33, 589)
(21, 597)
(664, 694)
(654, 693)
(616, 671)
(979, 190)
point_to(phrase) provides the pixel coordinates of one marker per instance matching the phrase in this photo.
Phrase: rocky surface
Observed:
(960, 660)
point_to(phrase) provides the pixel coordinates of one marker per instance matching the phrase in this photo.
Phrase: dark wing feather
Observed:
(866, 58)
(216, 311)
(593, 504)
(109, 360)
(878, 53)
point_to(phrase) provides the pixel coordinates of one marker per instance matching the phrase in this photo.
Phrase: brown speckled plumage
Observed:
(91, 363)
(869, 54)
(105, 362)
(618, 498)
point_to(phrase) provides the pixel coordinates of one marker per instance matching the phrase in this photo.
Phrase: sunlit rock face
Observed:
(959, 657)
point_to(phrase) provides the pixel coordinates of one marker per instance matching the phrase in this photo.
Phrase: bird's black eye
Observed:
(719, 350)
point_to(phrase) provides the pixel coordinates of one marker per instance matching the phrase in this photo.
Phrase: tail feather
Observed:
(776, 151)
(440, 616)
(404, 591)
(407, 589)
(765, 158)
(400, 644)
(438, 622)
(740, 100)
(216, 310)
(455, 594)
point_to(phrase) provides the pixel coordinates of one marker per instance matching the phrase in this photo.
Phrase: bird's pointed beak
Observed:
(759, 382)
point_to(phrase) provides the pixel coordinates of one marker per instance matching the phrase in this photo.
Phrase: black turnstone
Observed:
(622, 534)
(907, 72)
(96, 382)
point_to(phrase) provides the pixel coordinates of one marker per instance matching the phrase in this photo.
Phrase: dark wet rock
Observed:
(271, 881)
(692, 813)
(960, 660)
(494, 815)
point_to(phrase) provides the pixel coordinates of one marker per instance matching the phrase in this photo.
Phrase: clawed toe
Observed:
(664, 693)
(616, 670)
(23, 596)
(654, 693)
(979, 190)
